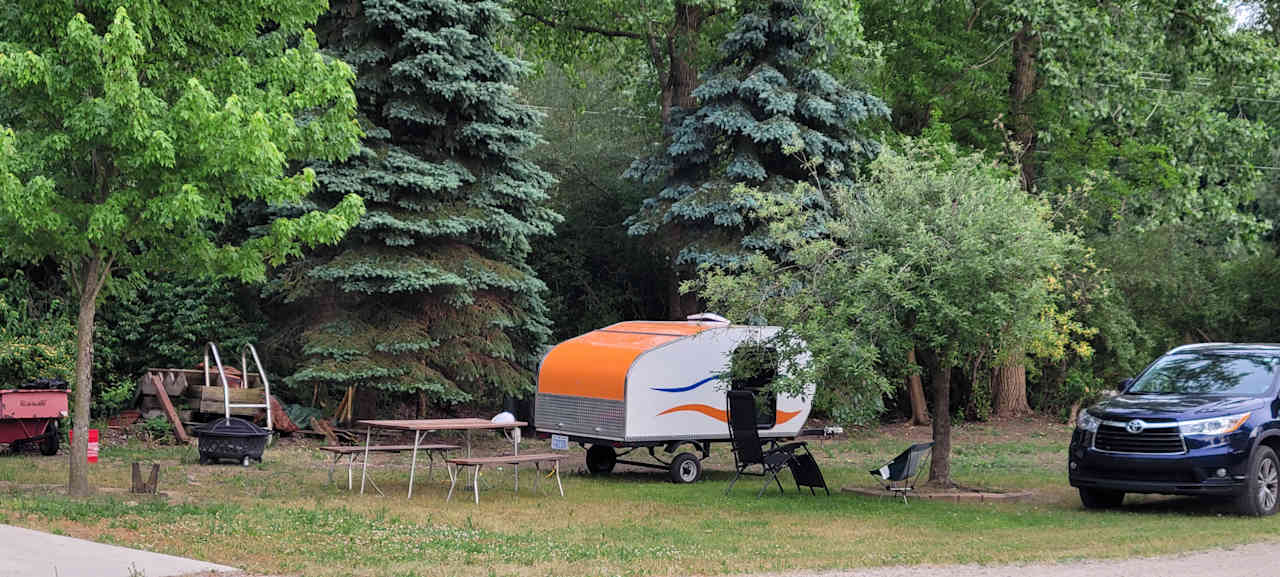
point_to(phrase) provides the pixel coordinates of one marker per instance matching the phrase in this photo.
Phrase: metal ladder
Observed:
(244, 374)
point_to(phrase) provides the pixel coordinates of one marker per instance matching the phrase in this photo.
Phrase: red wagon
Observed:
(31, 416)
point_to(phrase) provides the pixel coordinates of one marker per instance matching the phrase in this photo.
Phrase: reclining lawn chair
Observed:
(905, 469)
(749, 451)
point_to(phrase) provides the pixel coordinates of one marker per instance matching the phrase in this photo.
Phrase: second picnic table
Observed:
(420, 427)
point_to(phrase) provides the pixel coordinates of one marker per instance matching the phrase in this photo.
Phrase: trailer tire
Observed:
(685, 468)
(49, 444)
(601, 459)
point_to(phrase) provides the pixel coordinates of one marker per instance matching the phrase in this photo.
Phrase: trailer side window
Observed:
(753, 367)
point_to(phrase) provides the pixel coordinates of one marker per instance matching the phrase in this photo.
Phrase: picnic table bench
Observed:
(354, 451)
(420, 427)
(478, 463)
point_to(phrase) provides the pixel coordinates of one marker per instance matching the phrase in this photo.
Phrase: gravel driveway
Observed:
(1256, 560)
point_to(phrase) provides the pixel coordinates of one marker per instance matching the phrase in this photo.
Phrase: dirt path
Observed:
(1256, 560)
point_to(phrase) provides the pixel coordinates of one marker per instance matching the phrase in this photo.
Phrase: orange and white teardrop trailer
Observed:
(650, 384)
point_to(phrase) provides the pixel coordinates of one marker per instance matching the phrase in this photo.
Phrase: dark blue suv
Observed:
(1200, 420)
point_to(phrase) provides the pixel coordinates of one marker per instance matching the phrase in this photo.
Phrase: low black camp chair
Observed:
(905, 469)
(749, 451)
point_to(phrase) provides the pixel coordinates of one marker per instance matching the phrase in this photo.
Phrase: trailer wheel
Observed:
(49, 444)
(685, 468)
(601, 459)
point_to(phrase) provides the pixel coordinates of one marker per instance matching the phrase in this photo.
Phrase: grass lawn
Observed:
(283, 518)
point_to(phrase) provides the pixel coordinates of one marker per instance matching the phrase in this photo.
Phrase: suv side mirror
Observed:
(1124, 385)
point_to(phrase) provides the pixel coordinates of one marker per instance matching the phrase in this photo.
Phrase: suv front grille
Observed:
(1116, 439)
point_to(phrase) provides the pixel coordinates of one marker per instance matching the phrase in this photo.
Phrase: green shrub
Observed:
(37, 339)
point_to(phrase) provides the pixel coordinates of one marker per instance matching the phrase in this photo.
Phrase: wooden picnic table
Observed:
(351, 452)
(477, 463)
(420, 427)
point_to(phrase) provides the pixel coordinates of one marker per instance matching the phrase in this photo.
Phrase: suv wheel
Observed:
(1262, 484)
(1100, 498)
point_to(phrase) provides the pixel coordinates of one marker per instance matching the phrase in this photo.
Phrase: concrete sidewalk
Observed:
(1254, 560)
(27, 553)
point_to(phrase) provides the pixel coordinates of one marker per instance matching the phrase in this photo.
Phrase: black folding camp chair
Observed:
(749, 451)
(900, 474)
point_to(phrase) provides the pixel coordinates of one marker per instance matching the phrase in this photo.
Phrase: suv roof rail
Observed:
(1194, 346)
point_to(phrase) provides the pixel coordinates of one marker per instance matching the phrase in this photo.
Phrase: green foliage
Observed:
(753, 365)
(36, 337)
(156, 428)
(763, 105)
(937, 250)
(635, 38)
(166, 323)
(431, 293)
(1148, 125)
(112, 398)
(596, 274)
(124, 146)
(127, 132)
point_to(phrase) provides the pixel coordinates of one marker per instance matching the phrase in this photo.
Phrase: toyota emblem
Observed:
(1135, 426)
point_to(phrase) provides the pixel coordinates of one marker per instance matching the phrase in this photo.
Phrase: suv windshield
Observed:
(1218, 373)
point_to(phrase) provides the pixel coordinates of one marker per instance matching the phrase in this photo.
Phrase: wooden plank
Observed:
(250, 395)
(441, 424)
(178, 429)
(325, 429)
(507, 460)
(348, 449)
(218, 408)
(212, 372)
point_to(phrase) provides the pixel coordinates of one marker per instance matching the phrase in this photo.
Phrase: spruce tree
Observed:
(431, 293)
(767, 117)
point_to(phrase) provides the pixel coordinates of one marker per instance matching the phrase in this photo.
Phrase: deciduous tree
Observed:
(126, 134)
(938, 251)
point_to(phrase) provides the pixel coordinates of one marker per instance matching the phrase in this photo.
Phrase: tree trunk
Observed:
(1022, 86)
(680, 305)
(940, 383)
(682, 51)
(366, 403)
(919, 409)
(92, 277)
(1009, 389)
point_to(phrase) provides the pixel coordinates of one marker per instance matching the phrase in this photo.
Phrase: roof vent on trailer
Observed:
(707, 318)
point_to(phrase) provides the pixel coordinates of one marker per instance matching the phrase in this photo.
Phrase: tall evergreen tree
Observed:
(431, 292)
(767, 117)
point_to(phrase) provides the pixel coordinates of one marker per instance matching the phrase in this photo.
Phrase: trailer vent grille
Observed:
(585, 416)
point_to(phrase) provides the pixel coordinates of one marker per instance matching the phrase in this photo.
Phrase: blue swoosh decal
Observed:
(688, 388)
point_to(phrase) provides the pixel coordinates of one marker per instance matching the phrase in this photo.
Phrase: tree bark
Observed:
(681, 77)
(92, 276)
(681, 305)
(1022, 86)
(940, 383)
(366, 403)
(919, 409)
(1009, 382)
(1009, 389)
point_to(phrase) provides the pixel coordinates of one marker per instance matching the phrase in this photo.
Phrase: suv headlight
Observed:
(1214, 426)
(1087, 422)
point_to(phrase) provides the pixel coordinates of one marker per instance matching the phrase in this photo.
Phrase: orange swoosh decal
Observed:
(707, 410)
(720, 415)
